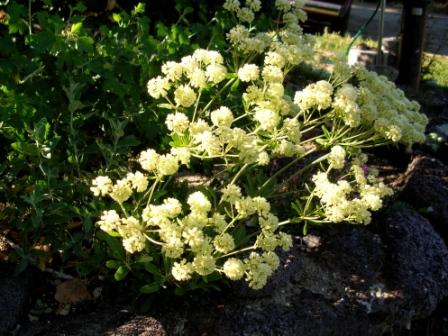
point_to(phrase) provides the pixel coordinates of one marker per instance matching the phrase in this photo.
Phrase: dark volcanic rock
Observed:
(14, 296)
(417, 261)
(105, 320)
(425, 186)
(347, 280)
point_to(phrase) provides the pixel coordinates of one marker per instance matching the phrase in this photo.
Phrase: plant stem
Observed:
(152, 240)
(236, 177)
(30, 24)
(196, 106)
(236, 252)
(153, 187)
(323, 157)
(218, 94)
(284, 168)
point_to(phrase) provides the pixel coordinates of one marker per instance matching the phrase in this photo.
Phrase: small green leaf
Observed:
(139, 9)
(151, 268)
(166, 106)
(150, 288)
(114, 244)
(76, 28)
(305, 229)
(235, 85)
(113, 264)
(322, 142)
(121, 273)
(80, 7)
(144, 259)
(116, 17)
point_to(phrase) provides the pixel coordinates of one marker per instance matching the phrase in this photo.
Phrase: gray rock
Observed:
(425, 187)
(104, 320)
(14, 297)
(357, 281)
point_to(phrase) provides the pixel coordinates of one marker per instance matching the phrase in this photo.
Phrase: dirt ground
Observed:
(436, 30)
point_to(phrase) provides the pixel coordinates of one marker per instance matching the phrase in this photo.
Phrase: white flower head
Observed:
(222, 117)
(248, 72)
(185, 96)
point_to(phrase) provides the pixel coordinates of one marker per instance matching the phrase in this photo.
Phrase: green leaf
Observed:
(138, 9)
(144, 259)
(151, 268)
(305, 229)
(128, 141)
(121, 273)
(166, 106)
(26, 148)
(150, 288)
(21, 266)
(85, 43)
(114, 244)
(322, 142)
(76, 28)
(116, 17)
(239, 235)
(80, 7)
(235, 85)
(113, 264)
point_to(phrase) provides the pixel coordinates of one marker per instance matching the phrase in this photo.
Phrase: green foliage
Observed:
(74, 105)
(209, 204)
(73, 102)
(435, 68)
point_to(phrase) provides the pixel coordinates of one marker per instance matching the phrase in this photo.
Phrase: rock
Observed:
(417, 262)
(358, 283)
(425, 187)
(358, 280)
(106, 319)
(72, 291)
(14, 296)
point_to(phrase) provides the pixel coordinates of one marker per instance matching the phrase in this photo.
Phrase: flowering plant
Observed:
(232, 112)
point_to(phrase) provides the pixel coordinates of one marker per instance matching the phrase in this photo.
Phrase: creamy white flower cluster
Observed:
(249, 146)
(192, 73)
(199, 240)
(246, 13)
(386, 108)
(374, 104)
(351, 199)
(289, 44)
(122, 190)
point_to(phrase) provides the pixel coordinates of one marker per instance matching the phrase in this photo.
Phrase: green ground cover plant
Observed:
(231, 117)
(180, 154)
(72, 103)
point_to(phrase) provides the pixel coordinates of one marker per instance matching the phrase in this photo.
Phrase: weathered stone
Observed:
(14, 296)
(104, 320)
(425, 187)
(417, 264)
(357, 281)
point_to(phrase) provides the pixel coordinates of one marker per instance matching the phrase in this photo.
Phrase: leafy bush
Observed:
(73, 103)
(214, 201)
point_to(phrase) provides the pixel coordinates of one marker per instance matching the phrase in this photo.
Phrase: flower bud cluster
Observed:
(199, 239)
(192, 73)
(351, 199)
(374, 104)
(240, 116)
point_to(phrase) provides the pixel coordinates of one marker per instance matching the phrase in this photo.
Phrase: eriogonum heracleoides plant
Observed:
(232, 111)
